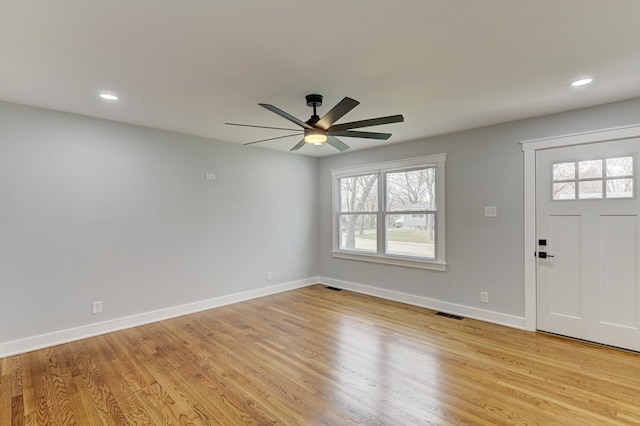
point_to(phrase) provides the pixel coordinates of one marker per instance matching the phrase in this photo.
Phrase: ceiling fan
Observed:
(318, 131)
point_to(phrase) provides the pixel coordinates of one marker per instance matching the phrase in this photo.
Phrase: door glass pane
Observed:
(620, 188)
(622, 166)
(590, 169)
(416, 236)
(358, 232)
(359, 193)
(564, 191)
(590, 189)
(564, 171)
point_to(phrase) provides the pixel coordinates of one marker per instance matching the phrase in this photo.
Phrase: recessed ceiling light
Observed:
(109, 96)
(581, 82)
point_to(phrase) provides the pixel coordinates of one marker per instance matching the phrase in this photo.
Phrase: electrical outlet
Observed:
(268, 276)
(96, 307)
(484, 297)
(211, 176)
(490, 211)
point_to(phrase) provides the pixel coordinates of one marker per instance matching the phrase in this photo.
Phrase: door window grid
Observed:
(604, 178)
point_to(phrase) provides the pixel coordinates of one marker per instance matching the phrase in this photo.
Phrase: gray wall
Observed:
(98, 210)
(484, 167)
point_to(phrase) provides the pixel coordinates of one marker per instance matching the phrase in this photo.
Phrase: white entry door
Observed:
(587, 210)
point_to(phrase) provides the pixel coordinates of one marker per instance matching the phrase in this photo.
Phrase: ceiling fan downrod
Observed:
(314, 101)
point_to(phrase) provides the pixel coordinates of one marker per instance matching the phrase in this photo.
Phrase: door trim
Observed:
(529, 147)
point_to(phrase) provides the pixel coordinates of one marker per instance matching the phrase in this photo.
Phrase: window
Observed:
(391, 213)
(594, 179)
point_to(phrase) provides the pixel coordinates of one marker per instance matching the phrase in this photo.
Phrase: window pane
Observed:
(590, 169)
(564, 191)
(622, 166)
(411, 190)
(359, 193)
(415, 238)
(564, 171)
(619, 188)
(590, 189)
(358, 232)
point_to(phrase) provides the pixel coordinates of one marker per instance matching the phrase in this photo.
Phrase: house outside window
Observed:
(391, 213)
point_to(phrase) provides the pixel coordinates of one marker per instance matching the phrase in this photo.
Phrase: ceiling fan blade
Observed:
(366, 123)
(337, 112)
(283, 114)
(298, 145)
(261, 127)
(337, 144)
(367, 135)
(270, 139)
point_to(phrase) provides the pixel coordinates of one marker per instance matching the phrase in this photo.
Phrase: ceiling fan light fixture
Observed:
(316, 137)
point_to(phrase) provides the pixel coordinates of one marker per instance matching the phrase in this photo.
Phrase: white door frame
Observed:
(530, 147)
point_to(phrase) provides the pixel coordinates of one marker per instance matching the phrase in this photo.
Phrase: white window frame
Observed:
(436, 161)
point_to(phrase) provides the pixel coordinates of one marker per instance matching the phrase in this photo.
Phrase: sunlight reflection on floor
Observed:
(370, 358)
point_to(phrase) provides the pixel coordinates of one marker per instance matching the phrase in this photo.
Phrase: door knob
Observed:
(544, 255)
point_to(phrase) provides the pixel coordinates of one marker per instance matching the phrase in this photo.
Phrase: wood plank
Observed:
(5, 390)
(314, 356)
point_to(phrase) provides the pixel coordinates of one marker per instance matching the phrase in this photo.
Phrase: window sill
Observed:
(388, 260)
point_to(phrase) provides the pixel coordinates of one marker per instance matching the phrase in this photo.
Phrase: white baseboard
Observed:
(425, 302)
(64, 336)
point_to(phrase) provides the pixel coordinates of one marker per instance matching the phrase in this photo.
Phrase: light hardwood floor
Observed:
(315, 356)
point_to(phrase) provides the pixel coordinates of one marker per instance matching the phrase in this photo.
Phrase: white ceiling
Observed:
(190, 66)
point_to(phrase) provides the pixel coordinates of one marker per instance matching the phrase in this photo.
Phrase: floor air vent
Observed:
(333, 288)
(446, 315)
